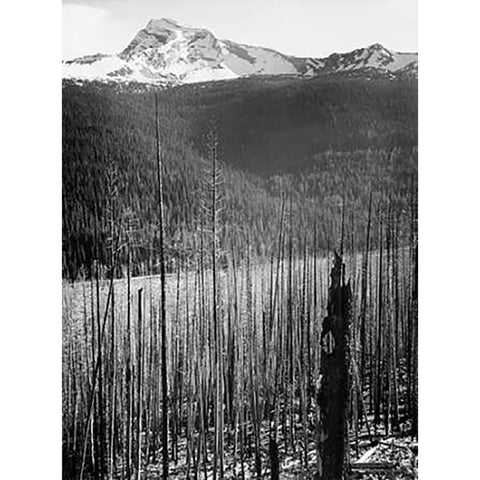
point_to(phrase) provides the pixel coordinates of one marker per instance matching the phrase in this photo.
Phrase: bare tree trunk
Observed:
(129, 383)
(163, 316)
(139, 385)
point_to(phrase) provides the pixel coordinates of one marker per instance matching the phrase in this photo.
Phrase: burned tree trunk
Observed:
(163, 317)
(332, 393)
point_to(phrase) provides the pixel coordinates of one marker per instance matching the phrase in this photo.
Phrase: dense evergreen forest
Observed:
(323, 146)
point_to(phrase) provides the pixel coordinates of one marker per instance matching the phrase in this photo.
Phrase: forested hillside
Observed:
(271, 125)
(319, 146)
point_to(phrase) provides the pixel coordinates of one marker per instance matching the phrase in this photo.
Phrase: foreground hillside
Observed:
(312, 144)
(272, 335)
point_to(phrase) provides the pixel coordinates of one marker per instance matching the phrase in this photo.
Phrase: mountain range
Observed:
(167, 53)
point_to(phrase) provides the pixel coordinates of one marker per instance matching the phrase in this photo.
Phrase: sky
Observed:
(296, 27)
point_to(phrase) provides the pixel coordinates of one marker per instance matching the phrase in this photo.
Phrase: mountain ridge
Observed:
(168, 53)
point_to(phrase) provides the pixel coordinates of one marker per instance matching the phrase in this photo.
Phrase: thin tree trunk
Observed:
(163, 316)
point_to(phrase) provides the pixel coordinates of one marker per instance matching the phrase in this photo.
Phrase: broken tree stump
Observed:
(333, 386)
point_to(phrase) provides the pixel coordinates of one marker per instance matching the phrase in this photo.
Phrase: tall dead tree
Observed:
(163, 315)
(333, 390)
(214, 208)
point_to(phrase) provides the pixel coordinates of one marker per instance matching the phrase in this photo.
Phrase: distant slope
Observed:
(274, 125)
(167, 53)
(318, 139)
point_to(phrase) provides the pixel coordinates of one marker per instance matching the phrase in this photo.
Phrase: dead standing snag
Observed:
(332, 393)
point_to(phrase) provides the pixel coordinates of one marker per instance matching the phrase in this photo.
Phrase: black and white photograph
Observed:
(239, 228)
(240, 240)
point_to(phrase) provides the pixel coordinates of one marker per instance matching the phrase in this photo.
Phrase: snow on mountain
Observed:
(165, 52)
(373, 57)
(248, 60)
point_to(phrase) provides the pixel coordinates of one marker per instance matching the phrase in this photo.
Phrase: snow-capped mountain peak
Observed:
(159, 33)
(166, 52)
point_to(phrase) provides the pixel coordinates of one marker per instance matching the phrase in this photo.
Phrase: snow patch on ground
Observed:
(401, 60)
(269, 62)
(208, 74)
(97, 70)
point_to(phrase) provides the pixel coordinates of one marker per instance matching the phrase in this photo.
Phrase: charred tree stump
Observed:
(332, 393)
(274, 460)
